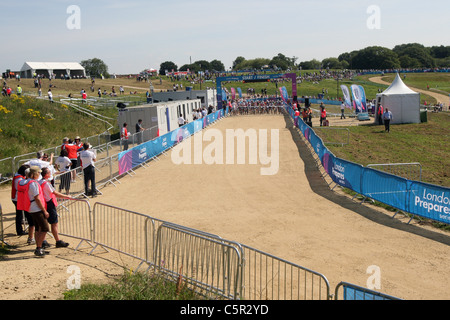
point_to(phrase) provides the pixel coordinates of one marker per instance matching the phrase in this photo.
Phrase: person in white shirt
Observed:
(50, 195)
(181, 121)
(63, 165)
(342, 110)
(88, 158)
(50, 95)
(37, 208)
(39, 161)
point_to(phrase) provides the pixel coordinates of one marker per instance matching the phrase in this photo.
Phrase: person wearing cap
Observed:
(30, 198)
(50, 195)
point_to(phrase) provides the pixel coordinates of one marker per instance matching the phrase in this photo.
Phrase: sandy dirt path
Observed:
(293, 215)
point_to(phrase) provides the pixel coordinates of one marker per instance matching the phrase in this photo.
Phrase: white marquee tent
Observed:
(71, 69)
(403, 102)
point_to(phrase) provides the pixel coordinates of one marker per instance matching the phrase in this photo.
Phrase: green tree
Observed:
(95, 67)
(375, 57)
(310, 65)
(332, 63)
(239, 60)
(417, 53)
(217, 65)
(167, 65)
(281, 61)
(203, 65)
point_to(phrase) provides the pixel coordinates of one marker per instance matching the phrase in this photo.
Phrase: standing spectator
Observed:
(19, 90)
(63, 165)
(88, 158)
(380, 114)
(323, 114)
(342, 110)
(124, 135)
(72, 149)
(139, 131)
(20, 214)
(387, 117)
(181, 121)
(39, 161)
(31, 199)
(50, 195)
(50, 95)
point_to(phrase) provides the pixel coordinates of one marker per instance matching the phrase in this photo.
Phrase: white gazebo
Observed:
(47, 69)
(403, 102)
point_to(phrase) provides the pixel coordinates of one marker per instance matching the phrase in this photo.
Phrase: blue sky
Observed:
(133, 35)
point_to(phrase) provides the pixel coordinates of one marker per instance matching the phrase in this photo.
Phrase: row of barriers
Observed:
(414, 197)
(210, 265)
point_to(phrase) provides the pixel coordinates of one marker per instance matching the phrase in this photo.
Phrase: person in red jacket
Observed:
(50, 195)
(30, 198)
(323, 114)
(20, 214)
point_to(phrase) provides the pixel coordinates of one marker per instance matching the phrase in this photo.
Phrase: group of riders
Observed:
(256, 106)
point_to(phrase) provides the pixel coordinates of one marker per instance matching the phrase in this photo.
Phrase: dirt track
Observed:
(292, 215)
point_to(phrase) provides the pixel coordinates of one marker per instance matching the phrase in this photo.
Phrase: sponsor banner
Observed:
(282, 94)
(429, 201)
(422, 199)
(385, 187)
(347, 98)
(363, 98)
(344, 173)
(240, 92)
(356, 98)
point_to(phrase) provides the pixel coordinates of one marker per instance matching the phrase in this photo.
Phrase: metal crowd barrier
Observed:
(211, 265)
(354, 292)
(267, 277)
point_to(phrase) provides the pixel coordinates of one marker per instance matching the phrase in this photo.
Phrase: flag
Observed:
(356, 94)
(347, 98)
(363, 99)
(233, 93)
(240, 92)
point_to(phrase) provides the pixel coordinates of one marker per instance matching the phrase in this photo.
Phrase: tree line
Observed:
(407, 56)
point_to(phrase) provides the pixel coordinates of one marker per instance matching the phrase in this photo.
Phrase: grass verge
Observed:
(138, 286)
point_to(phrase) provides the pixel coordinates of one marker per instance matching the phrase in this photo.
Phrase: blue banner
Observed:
(422, 199)
(385, 187)
(240, 92)
(135, 156)
(429, 201)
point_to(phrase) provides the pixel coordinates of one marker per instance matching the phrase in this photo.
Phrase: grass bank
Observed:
(139, 286)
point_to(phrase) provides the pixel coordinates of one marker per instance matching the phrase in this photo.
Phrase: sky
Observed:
(130, 36)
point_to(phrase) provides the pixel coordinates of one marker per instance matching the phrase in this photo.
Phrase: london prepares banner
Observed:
(429, 201)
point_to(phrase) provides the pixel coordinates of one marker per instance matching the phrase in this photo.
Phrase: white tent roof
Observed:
(398, 87)
(52, 66)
